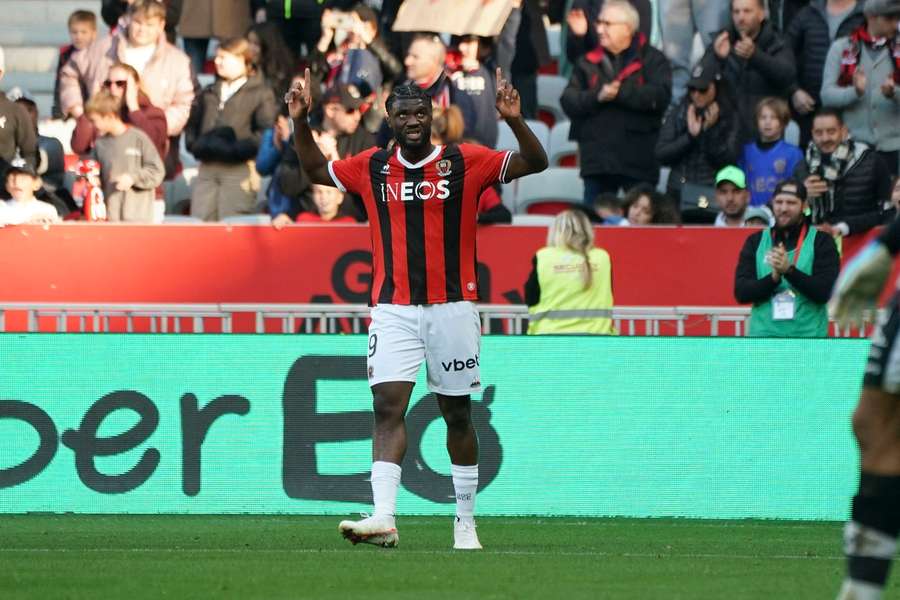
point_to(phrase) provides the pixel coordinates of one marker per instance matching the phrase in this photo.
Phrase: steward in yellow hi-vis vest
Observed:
(563, 296)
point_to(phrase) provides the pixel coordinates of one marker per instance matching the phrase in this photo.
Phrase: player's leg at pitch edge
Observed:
(376, 530)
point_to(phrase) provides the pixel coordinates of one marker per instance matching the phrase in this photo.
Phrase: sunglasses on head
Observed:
(115, 82)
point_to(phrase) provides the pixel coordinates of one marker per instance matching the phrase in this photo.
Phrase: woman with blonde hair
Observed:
(570, 286)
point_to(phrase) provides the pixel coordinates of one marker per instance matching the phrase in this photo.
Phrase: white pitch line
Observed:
(424, 552)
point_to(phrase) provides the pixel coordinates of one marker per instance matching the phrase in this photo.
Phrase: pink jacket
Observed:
(167, 78)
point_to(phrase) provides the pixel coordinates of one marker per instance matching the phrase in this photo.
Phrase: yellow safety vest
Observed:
(565, 306)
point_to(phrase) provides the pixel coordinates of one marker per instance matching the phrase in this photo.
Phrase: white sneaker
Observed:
(379, 531)
(857, 590)
(464, 535)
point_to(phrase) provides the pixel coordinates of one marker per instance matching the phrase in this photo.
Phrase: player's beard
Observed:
(423, 140)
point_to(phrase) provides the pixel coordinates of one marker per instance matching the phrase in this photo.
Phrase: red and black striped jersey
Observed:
(422, 218)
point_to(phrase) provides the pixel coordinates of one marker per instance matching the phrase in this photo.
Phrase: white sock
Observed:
(860, 590)
(465, 484)
(385, 481)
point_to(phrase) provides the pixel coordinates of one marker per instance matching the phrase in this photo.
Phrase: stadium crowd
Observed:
(650, 127)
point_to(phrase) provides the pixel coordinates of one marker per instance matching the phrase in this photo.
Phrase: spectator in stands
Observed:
(608, 209)
(616, 98)
(700, 135)
(365, 33)
(643, 205)
(271, 57)
(23, 207)
(752, 57)
(732, 197)
(203, 20)
(848, 184)
(528, 53)
(341, 115)
(82, 33)
(164, 69)
(17, 136)
(581, 35)
(224, 131)
(769, 159)
(810, 35)
(788, 271)
(425, 67)
(330, 206)
(758, 216)
(115, 14)
(861, 76)
(477, 82)
(130, 166)
(680, 21)
(340, 55)
(124, 83)
(51, 166)
(569, 289)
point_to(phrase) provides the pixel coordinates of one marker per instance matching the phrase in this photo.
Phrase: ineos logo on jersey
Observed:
(460, 365)
(407, 191)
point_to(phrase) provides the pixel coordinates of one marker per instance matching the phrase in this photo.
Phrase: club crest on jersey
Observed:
(386, 169)
(443, 168)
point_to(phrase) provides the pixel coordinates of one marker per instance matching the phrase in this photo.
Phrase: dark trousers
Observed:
(526, 85)
(196, 49)
(891, 160)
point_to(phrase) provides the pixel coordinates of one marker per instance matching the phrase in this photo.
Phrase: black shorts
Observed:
(883, 366)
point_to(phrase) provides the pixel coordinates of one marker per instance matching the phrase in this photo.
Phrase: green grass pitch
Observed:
(136, 557)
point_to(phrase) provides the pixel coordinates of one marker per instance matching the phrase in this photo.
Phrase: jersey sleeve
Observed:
(487, 166)
(351, 174)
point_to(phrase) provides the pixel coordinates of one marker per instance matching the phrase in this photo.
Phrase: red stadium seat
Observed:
(549, 207)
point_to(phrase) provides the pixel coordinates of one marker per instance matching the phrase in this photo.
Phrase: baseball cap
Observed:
(792, 187)
(18, 165)
(733, 175)
(758, 212)
(882, 8)
(702, 76)
(348, 96)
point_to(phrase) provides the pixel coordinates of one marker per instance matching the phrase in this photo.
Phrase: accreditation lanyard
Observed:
(799, 243)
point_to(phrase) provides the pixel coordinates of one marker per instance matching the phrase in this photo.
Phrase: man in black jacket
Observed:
(809, 36)
(17, 134)
(616, 98)
(848, 184)
(752, 58)
(787, 272)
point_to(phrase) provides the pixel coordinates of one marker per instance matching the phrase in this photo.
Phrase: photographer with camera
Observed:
(341, 55)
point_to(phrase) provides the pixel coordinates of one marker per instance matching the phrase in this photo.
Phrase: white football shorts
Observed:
(447, 337)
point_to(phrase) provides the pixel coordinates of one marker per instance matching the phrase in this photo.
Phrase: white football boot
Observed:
(464, 535)
(378, 531)
(857, 590)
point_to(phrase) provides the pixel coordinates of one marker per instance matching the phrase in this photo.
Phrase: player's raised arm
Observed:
(299, 101)
(531, 157)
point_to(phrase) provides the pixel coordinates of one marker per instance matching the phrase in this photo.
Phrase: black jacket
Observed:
(230, 134)
(808, 38)
(619, 137)
(576, 47)
(749, 289)
(769, 72)
(17, 134)
(532, 50)
(861, 194)
(698, 159)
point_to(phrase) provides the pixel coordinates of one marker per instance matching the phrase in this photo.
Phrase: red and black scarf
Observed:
(635, 65)
(850, 57)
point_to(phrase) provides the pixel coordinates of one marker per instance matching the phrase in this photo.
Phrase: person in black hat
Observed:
(22, 182)
(787, 272)
(701, 135)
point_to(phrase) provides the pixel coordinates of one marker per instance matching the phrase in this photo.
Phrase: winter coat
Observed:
(808, 38)
(861, 194)
(230, 133)
(697, 160)
(167, 78)
(769, 72)
(618, 137)
(871, 118)
(220, 19)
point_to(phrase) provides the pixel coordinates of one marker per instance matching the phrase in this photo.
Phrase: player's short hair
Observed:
(779, 106)
(632, 17)
(148, 9)
(104, 104)
(829, 111)
(83, 16)
(406, 92)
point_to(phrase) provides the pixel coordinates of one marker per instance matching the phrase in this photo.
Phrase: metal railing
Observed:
(349, 318)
